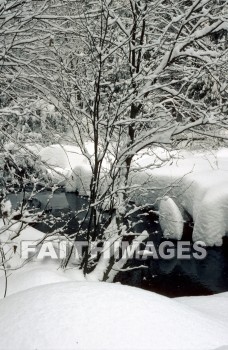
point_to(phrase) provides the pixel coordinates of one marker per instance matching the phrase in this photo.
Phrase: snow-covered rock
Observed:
(57, 156)
(170, 218)
(198, 184)
(66, 165)
(87, 315)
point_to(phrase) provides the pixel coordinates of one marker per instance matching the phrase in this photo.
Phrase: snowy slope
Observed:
(73, 315)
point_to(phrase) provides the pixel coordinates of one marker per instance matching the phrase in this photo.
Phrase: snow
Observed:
(214, 306)
(198, 184)
(33, 148)
(170, 218)
(195, 184)
(6, 207)
(87, 315)
(37, 273)
(79, 179)
(57, 156)
(66, 165)
(26, 274)
(26, 232)
(47, 307)
(32, 275)
(9, 238)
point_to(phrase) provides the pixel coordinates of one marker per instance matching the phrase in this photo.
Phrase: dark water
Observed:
(59, 209)
(177, 277)
(172, 278)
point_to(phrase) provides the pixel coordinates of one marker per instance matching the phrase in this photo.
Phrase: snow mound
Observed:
(86, 315)
(66, 165)
(170, 218)
(215, 306)
(11, 236)
(57, 156)
(211, 221)
(204, 196)
(37, 273)
(31, 276)
(26, 232)
(198, 183)
(79, 179)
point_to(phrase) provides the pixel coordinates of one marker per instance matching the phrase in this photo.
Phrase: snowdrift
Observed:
(215, 306)
(86, 315)
(67, 166)
(187, 183)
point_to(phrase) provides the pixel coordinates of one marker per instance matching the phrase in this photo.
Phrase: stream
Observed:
(173, 278)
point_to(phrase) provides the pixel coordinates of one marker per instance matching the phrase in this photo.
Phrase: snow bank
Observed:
(26, 274)
(85, 315)
(26, 232)
(66, 165)
(215, 306)
(57, 156)
(9, 239)
(198, 184)
(37, 273)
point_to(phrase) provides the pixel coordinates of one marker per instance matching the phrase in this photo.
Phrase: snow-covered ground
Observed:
(87, 315)
(49, 308)
(215, 306)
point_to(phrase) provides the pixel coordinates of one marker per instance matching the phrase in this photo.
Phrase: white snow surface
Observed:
(87, 315)
(37, 273)
(66, 165)
(215, 306)
(194, 183)
(170, 218)
(62, 156)
(198, 184)
(49, 308)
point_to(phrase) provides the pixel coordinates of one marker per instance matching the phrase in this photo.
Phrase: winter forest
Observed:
(113, 174)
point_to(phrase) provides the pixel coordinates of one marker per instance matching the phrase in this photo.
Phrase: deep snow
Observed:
(49, 308)
(86, 315)
(215, 306)
(196, 182)
(181, 182)
(67, 166)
